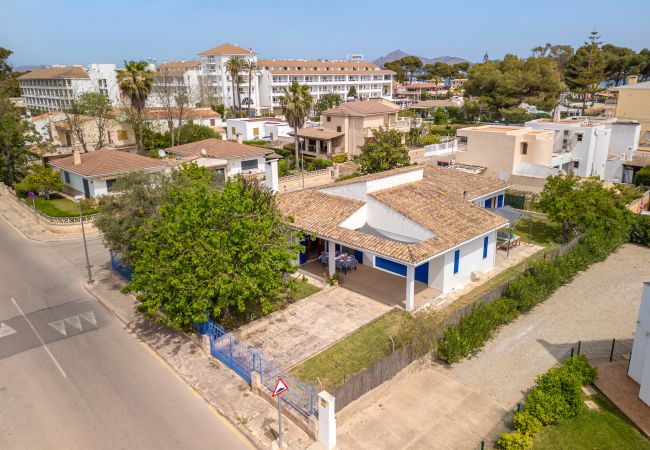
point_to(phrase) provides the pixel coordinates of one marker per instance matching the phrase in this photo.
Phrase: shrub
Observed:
(580, 365)
(312, 164)
(640, 232)
(340, 158)
(348, 176)
(452, 347)
(256, 142)
(515, 441)
(642, 177)
(526, 423)
(429, 139)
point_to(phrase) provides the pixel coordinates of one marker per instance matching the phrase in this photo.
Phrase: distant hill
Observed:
(28, 68)
(397, 54)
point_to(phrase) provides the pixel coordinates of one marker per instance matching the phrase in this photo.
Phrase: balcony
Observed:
(559, 159)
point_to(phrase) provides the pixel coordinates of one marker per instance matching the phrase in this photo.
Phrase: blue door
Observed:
(86, 188)
(488, 203)
(500, 201)
(359, 255)
(422, 273)
(303, 253)
(391, 266)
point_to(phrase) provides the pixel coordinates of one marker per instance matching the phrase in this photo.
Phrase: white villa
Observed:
(430, 226)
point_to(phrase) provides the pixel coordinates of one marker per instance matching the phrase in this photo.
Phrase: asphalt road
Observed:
(71, 377)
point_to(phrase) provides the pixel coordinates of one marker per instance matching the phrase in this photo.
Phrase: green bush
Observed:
(515, 441)
(580, 366)
(348, 176)
(256, 142)
(312, 164)
(642, 177)
(339, 158)
(429, 139)
(640, 232)
(526, 423)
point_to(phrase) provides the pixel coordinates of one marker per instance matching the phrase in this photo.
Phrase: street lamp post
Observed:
(83, 233)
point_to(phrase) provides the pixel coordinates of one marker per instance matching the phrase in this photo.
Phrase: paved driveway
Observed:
(438, 407)
(308, 326)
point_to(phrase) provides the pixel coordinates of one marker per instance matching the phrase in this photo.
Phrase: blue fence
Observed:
(243, 360)
(121, 269)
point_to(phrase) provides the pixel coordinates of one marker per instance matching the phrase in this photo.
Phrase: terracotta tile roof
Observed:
(227, 49)
(217, 148)
(318, 133)
(193, 113)
(175, 65)
(452, 219)
(55, 73)
(110, 162)
(456, 182)
(363, 108)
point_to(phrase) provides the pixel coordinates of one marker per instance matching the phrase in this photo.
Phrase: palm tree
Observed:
(136, 83)
(249, 66)
(296, 104)
(235, 65)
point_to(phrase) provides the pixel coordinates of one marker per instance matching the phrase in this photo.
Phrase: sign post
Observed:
(31, 197)
(280, 387)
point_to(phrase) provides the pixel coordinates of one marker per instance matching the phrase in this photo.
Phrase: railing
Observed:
(443, 148)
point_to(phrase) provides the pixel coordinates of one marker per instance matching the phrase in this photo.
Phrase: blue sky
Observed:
(82, 32)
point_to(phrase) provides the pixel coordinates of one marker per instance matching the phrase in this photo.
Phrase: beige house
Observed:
(634, 103)
(347, 127)
(523, 155)
(116, 135)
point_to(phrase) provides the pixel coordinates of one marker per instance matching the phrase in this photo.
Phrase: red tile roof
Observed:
(363, 108)
(228, 49)
(110, 162)
(217, 148)
(55, 73)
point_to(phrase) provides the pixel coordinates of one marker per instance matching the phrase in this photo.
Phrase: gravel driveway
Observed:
(601, 303)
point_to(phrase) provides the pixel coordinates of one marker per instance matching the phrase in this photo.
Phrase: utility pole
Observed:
(83, 233)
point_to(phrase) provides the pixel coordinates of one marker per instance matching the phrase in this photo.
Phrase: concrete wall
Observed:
(471, 260)
(633, 104)
(234, 165)
(639, 369)
(528, 184)
(311, 179)
(496, 151)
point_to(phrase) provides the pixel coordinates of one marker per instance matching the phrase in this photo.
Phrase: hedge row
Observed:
(557, 395)
(536, 284)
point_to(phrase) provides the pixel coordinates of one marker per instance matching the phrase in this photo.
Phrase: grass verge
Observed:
(354, 353)
(58, 206)
(604, 428)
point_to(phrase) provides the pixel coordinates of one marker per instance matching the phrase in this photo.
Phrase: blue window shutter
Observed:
(488, 203)
(303, 253)
(359, 255)
(485, 246)
(422, 273)
(391, 266)
(456, 260)
(500, 201)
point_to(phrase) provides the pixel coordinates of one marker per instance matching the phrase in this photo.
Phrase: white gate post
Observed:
(326, 420)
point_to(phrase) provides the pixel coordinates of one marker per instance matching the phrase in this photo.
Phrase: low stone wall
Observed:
(308, 179)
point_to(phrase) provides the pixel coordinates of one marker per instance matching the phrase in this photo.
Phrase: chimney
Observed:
(632, 79)
(272, 180)
(76, 157)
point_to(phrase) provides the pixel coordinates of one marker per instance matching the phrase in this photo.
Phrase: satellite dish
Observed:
(203, 152)
(162, 153)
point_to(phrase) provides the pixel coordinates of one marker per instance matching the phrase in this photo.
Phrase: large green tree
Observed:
(42, 180)
(213, 253)
(296, 103)
(136, 83)
(586, 69)
(383, 152)
(327, 101)
(16, 134)
(620, 62)
(558, 52)
(501, 86)
(579, 204)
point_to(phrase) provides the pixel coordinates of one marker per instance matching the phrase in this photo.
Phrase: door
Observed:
(68, 139)
(86, 188)
(422, 273)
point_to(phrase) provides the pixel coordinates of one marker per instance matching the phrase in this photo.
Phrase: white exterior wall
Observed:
(213, 68)
(96, 186)
(639, 369)
(234, 165)
(624, 138)
(471, 260)
(277, 131)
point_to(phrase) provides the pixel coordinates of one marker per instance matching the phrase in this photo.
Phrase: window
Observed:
(122, 135)
(486, 240)
(576, 164)
(109, 185)
(524, 148)
(233, 131)
(579, 136)
(256, 133)
(329, 119)
(456, 261)
(250, 164)
(66, 176)
(338, 129)
(212, 122)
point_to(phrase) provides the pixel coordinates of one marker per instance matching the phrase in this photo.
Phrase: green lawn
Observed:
(351, 355)
(58, 206)
(301, 290)
(604, 428)
(543, 232)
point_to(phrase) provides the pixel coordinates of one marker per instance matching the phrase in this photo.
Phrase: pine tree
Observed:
(586, 69)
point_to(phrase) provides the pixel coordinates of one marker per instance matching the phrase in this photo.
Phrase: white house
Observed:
(419, 223)
(156, 118)
(54, 88)
(639, 369)
(94, 173)
(227, 157)
(267, 128)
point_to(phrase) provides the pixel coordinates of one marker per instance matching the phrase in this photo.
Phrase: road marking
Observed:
(74, 321)
(59, 326)
(6, 330)
(89, 316)
(39, 338)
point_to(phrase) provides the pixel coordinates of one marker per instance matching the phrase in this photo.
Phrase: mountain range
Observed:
(28, 68)
(398, 54)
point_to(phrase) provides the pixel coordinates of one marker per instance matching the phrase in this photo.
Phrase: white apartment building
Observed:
(597, 147)
(170, 78)
(54, 88)
(324, 76)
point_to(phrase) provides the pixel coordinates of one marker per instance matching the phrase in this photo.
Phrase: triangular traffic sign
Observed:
(280, 387)
(5, 330)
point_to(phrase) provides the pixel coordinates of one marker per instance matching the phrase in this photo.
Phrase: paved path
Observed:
(310, 325)
(601, 303)
(70, 375)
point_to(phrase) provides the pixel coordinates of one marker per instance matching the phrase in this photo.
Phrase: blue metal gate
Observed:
(243, 360)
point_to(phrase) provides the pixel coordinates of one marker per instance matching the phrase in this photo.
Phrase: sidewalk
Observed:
(217, 384)
(26, 223)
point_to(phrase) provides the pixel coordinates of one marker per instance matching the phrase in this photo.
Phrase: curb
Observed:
(243, 432)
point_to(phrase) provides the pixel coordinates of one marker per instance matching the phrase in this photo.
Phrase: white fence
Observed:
(443, 148)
